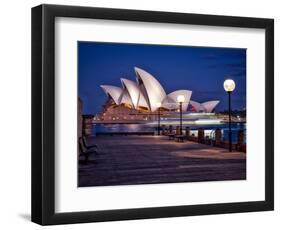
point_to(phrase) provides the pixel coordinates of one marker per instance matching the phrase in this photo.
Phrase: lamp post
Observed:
(229, 86)
(180, 100)
(158, 105)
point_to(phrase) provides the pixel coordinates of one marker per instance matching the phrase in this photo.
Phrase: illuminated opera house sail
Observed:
(145, 96)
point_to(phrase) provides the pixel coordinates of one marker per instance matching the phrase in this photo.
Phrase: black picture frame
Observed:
(43, 114)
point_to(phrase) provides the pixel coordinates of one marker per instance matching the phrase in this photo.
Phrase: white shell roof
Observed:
(209, 106)
(113, 91)
(134, 92)
(125, 98)
(132, 89)
(148, 93)
(152, 90)
(171, 99)
(142, 101)
(196, 105)
(169, 103)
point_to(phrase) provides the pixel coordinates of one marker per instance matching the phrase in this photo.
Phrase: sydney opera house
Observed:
(142, 99)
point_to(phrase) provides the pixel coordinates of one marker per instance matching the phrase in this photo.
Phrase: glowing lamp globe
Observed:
(180, 98)
(229, 85)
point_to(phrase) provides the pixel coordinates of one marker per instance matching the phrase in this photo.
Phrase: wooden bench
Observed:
(88, 146)
(171, 136)
(84, 151)
(179, 138)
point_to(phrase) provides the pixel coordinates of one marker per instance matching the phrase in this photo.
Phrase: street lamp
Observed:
(158, 105)
(229, 86)
(180, 100)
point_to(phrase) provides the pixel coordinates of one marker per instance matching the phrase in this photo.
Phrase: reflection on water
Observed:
(152, 127)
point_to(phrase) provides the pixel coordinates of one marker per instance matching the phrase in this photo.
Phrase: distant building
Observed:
(141, 99)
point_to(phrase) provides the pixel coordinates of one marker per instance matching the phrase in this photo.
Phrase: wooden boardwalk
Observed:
(128, 160)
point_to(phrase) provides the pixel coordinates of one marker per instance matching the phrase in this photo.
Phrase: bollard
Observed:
(218, 136)
(187, 132)
(240, 139)
(170, 129)
(177, 130)
(200, 135)
(163, 130)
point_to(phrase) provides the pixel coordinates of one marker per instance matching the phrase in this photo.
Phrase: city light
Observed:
(229, 85)
(180, 98)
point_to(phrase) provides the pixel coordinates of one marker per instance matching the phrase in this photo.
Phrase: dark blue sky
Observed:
(199, 69)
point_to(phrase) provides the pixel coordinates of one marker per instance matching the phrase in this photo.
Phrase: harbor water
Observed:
(152, 127)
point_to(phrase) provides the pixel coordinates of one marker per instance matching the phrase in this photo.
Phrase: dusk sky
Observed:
(199, 69)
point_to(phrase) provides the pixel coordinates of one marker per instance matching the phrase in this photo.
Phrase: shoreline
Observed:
(162, 122)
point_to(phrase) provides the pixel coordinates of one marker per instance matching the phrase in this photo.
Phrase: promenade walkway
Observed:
(127, 160)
